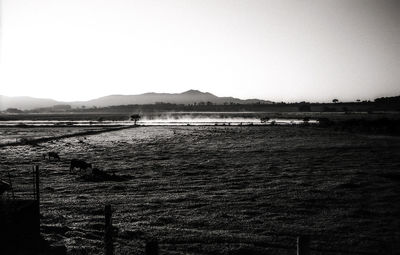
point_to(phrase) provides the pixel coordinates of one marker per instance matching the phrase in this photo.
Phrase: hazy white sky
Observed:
(279, 50)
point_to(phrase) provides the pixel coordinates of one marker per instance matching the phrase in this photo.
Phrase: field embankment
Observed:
(35, 141)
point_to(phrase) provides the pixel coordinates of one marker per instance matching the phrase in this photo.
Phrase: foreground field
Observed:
(221, 190)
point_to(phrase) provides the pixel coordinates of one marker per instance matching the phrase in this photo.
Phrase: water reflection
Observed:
(160, 122)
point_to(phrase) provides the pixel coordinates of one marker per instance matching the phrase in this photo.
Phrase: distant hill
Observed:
(188, 97)
(25, 103)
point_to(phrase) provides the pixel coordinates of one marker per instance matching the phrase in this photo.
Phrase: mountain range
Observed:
(187, 97)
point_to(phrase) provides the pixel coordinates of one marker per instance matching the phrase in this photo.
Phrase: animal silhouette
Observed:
(53, 154)
(80, 164)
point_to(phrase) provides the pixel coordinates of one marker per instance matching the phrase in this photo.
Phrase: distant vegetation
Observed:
(123, 112)
(388, 100)
(13, 110)
(379, 104)
(381, 126)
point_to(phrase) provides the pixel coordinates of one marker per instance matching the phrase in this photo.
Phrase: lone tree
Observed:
(335, 100)
(135, 118)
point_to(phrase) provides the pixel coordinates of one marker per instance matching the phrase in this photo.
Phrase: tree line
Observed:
(379, 104)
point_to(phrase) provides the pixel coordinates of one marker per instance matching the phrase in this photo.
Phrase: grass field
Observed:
(220, 190)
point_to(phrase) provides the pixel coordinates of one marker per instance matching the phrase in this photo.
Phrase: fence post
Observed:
(37, 182)
(108, 239)
(303, 245)
(37, 197)
(10, 181)
(34, 182)
(151, 248)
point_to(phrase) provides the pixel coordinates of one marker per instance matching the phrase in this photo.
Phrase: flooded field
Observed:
(167, 121)
(219, 189)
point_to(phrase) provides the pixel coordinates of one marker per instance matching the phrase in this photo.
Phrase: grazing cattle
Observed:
(54, 155)
(78, 163)
(51, 154)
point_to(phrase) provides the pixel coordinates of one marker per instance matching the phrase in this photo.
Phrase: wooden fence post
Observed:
(37, 182)
(151, 248)
(10, 181)
(37, 198)
(303, 245)
(34, 182)
(108, 238)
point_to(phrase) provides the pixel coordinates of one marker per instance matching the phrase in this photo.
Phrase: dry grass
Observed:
(222, 190)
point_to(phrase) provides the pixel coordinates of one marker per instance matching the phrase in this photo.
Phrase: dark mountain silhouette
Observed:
(188, 97)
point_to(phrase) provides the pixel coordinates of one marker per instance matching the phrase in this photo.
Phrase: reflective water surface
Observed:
(159, 122)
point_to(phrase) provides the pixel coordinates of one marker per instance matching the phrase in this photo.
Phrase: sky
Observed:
(279, 50)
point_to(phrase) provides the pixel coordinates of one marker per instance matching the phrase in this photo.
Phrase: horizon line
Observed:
(196, 90)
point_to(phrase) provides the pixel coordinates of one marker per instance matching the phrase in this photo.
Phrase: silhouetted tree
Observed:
(135, 118)
(335, 100)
